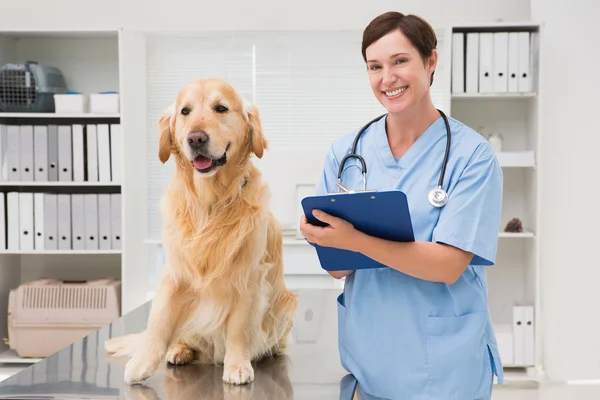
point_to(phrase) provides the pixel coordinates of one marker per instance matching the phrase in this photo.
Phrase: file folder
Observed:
(12, 223)
(513, 62)
(381, 214)
(3, 152)
(458, 62)
(115, 227)
(103, 134)
(78, 221)
(52, 153)
(51, 221)
(486, 62)
(91, 221)
(65, 154)
(26, 152)
(13, 150)
(472, 63)
(524, 62)
(38, 220)
(64, 221)
(26, 239)
(500, 62)
(116, 155)
(2, 221)
(40, 151)
(104, 222)
(92, 153)
(78, 153)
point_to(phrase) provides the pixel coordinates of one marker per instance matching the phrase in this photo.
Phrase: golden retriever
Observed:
(221, 298)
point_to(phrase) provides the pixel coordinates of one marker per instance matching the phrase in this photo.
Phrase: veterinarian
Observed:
(419, 329)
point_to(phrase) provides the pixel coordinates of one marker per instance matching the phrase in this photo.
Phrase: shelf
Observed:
(516, 159)
(11, 357)
(516, 235)
(60, 184)
(60, 252)
(493, 96)
(54, 115)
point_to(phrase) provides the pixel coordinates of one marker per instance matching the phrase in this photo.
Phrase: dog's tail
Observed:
(123, 345)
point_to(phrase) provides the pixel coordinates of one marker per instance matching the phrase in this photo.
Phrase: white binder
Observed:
(38, 220)
(472, 63)
(40, 151)
(91, 221)
(115, 210)
(26, 152)
(103, 153)
(52, 153)
(26, 230)
(3, 152)
(486, 62)
(458, 62)
(78, 153)
(51, 221)
(2, 221)
(65, 154)
(529, 335)
(12, 224)
(500, 62)
(13, 157)
(524, 62)
(518, 336)
(92, 153)
(64, 221)
(513, 62)
(116, 154)
(78, 221)
(104, 222)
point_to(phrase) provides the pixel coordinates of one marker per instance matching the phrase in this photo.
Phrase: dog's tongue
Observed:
(201, 162)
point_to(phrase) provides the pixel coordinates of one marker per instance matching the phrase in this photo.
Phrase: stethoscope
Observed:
(437, 196)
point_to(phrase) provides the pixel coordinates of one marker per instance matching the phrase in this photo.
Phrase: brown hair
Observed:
(418, 31)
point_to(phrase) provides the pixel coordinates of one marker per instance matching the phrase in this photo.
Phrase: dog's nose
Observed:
(197, 139)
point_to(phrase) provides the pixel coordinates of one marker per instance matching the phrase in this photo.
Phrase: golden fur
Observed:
(221, 297)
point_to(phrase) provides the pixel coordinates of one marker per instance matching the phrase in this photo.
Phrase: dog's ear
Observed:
(164, 142)
(257, 138)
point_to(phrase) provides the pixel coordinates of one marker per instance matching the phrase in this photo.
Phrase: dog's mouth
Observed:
(205, 164)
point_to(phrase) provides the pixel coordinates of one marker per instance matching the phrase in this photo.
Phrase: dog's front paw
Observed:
(180, 354)
(140, 368)
(238, 373)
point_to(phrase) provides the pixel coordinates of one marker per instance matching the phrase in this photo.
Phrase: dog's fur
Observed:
(221, 297)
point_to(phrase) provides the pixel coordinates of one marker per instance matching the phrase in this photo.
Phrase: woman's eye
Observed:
(221, 108)
(401, 60)
(185, 111)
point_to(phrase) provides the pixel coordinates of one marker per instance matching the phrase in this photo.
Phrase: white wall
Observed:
(245, 15)
(570, 142)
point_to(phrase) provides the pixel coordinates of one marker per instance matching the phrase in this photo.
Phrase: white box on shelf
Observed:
(70, 103)
(104, 103)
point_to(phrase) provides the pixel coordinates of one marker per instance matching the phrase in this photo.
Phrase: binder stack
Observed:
(60, 221)
(61, 153)
(491, 62)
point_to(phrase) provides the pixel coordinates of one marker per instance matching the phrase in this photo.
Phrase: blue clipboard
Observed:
(381, 214)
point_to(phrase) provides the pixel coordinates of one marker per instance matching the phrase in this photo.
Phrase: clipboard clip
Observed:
(350, 191)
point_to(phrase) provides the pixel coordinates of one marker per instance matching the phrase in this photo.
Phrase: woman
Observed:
(419, 329)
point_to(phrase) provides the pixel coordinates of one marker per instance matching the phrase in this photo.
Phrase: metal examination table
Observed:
(311, 370)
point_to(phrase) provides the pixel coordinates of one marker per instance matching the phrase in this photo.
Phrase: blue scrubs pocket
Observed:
(458, 361)
(341, 309)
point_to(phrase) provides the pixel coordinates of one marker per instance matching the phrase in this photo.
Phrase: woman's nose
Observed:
(389, 76)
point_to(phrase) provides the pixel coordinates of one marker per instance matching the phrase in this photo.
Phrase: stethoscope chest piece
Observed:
(438, 197)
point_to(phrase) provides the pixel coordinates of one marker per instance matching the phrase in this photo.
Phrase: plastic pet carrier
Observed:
(30, 87)
(47, 315)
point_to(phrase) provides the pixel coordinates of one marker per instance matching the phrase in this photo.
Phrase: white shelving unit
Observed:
(515, 280)
(89, 61)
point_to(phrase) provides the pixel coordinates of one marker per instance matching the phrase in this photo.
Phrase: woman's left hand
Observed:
(340, 233)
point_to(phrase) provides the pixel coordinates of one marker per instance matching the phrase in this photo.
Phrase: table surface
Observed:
(310, 370)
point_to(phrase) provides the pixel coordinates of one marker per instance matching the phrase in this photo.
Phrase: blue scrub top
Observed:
(407, 338)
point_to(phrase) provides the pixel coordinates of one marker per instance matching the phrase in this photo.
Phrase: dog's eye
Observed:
(221, 108)
(185, 111)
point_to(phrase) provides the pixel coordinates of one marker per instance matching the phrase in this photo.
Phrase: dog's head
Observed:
(209, 125)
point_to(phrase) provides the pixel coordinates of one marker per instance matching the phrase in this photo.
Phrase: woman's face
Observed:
(397, 74)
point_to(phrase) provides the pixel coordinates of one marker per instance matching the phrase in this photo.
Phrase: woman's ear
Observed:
(258, 140)
(164, 142)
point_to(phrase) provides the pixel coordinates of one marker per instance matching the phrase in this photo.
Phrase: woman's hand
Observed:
(339, 234)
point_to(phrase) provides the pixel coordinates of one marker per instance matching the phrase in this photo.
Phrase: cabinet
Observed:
(494, 89)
